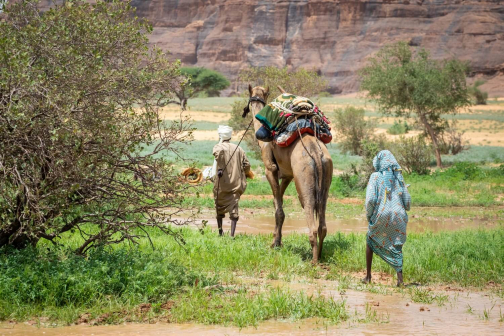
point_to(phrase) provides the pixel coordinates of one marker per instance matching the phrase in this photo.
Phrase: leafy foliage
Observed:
(402, 83)
(73, 280)
(413, 154)
(451, 140)
(352, 128)
(75, 114)
(307, 83)
(480, 97)
(399, 128)
(201, 80)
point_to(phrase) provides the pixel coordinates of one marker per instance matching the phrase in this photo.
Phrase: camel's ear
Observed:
(281, 89)
(266, 93)
(250, 90)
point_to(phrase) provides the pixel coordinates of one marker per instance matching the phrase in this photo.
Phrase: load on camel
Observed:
(305, 160)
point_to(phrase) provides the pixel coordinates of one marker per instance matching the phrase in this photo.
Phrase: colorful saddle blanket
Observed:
(288, 116)
(300, 127)
(273, 115)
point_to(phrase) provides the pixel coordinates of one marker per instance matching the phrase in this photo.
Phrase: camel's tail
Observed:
(321, 189)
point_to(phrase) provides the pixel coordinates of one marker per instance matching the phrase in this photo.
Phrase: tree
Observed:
(352, 128)
(402, 83)
(78, 120)
(480, 96)
(302, 82)
(201, 80)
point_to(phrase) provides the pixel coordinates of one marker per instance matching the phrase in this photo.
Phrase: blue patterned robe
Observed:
(387, 200)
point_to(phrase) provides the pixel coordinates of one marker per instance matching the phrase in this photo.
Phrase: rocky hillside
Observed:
(334, 37)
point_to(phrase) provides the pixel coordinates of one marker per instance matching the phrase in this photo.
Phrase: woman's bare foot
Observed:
(399, 279)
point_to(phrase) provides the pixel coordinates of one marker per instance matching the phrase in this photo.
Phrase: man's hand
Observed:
(220, 173)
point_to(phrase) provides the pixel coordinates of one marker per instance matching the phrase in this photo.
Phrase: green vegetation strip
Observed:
(464, 184)
(202, 280)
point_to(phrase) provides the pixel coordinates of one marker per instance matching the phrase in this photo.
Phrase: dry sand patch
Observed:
(175, 114)
(493, 107)
(485, 138)
(212, 135)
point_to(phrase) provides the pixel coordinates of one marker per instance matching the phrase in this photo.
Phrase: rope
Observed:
(192, 175)
(218, 181)
(301, 138)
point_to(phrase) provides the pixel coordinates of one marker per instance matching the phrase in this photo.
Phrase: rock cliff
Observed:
(334, 37)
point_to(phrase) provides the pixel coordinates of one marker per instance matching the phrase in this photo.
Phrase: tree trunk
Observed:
(433, 138)
(184, 104)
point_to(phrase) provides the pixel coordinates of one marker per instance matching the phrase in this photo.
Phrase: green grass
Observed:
(203, 278)
(468, 257)
(199, 154)
(464, 184)
(248, 308)
(477, 154)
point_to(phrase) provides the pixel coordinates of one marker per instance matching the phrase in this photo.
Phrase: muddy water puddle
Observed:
(255, 224)
(395, 314)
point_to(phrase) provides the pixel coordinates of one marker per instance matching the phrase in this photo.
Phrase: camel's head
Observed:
(258, 91)
(257, 95)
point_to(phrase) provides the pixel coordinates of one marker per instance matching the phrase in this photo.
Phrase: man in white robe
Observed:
(231, 181)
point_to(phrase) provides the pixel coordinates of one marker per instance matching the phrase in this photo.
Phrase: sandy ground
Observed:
(477, 132)
(473, 137)
(172, 114)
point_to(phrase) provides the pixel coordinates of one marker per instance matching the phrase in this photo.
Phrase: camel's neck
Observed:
(255, 107)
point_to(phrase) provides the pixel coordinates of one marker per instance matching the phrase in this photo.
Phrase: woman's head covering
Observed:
(225, 133)
(384, 162)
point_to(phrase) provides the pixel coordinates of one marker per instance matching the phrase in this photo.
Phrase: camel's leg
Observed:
(279, 213)
(322, 231)
(272, 176)
(312, 226)
(307, 199)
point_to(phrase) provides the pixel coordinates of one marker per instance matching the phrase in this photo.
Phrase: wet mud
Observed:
(394, 314)
(255, 224)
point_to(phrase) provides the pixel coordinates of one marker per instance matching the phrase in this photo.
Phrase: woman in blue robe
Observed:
(387, 200)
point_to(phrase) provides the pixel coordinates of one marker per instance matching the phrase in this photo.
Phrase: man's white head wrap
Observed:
(225, 133)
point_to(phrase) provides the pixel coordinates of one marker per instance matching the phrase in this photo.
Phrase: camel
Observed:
(306, 161)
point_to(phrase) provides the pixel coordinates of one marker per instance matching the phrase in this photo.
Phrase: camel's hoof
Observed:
(276, 244)
(366, 281)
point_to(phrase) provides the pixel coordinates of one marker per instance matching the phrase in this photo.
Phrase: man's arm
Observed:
(218, 154)
(245, 163)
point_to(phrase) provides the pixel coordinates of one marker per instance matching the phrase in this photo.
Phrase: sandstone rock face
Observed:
(334, 37)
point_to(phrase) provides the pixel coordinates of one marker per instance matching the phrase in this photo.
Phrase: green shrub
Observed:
(399, 128)
(413, 154)
(352, 128)
(480, 97)
(347, 182)
(371, 147)
(59, 278)
(324, 94)
(450, 140)
(357, 176)
(465, 171)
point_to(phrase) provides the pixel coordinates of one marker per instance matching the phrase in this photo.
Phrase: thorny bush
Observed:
(79, 98)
